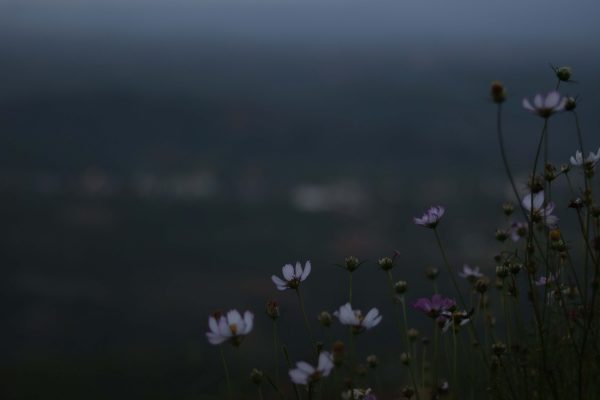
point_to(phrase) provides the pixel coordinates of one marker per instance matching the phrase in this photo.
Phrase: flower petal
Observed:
(215, 339)
(538, 200)
(307, 269)
(249, 322)
(298, 376)
(552, 100)
(288, 272)
(538, 101)
(527, 105)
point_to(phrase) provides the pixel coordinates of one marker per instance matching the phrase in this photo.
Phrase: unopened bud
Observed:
(272, 309)
(386, 263)
(508, 208)
(325, 319)
(413, 334)
(352, 263)
(571, 104)
(400, 287)
(501, 235)
(482, 284)
(501, 271)
(256, 376)
(432, 273)
(498, 92)
(408, 392)
(565, 168)
(555, 235)
(563, 73)
(372, 361)
(405, 358)
(337, 351)
(499, 348)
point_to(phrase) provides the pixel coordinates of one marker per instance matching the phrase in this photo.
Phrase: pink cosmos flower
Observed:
(435, 306)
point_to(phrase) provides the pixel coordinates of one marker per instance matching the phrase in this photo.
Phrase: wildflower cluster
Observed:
(525, 325)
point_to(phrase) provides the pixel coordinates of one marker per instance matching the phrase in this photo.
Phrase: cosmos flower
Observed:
(545, 106)
(355, 318)
(435, 306)
(431, 217)
(590, 160)
(540, 212)
(230, 327)
(518, 230)
(456, 318)
(545, 280)
(358, 394)
(291, 276)
(304, 373)
(471, 274)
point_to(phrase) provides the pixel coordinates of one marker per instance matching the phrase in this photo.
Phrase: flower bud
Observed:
(515, 268)
(555, 235)
(501, 235)
(361, 370)
(482, 284)
(501, 271)
(372, 361)
(386, 263)
(565, 168)
(408, 392)
(352, 263)
(508, 208)
(325, 319)
(563, 73)
(499, 348)
(272, 309)
(256, 376)
(498, 92)
(413, 334)
(432, 273)
(337, 351)
(400, 287)
(571, 104)
(405, 358)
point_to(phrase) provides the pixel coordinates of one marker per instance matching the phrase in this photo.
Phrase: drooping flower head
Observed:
(431, 217)
(470, 274)
(354, 318)
(291, 276)
(305, 374)
(540, 213)
(229, 327)
(435, 306)
(545, 106)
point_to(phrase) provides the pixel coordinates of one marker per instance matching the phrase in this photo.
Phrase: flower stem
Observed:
(276, 348)
(350, 289)
(301, 301)
(227, 378)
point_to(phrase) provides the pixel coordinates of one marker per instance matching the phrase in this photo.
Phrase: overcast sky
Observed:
(531, 21)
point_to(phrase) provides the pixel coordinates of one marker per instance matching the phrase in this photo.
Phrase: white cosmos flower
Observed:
(304, 373)
(545, 106)
(590, 160)
(470, 273)
(291, 276)
(540, 212)
(230, 327)
(355, 318)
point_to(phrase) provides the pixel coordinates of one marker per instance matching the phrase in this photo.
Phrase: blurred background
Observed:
(160, 160)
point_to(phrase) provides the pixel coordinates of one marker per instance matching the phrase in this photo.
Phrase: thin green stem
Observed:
(227, 377)
(301, 301)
